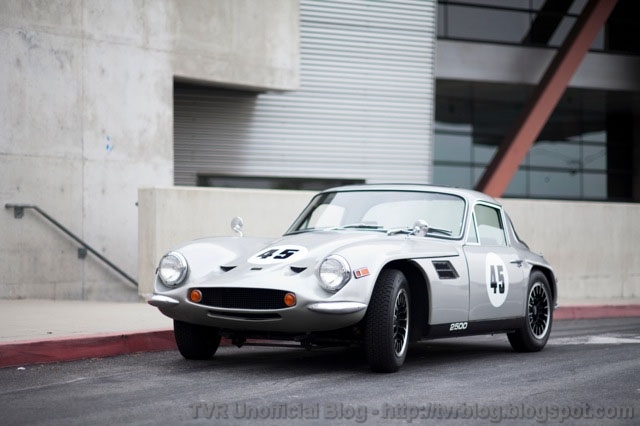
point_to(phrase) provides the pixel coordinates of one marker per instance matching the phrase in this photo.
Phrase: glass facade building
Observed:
(588, 149)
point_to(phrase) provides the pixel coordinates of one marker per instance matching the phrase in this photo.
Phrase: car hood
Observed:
(231, 256)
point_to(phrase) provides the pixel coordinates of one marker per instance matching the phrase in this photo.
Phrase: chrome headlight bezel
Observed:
(333, 273)
(180, 267)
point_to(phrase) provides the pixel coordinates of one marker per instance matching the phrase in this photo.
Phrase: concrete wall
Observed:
(86, 119)
(593, 247)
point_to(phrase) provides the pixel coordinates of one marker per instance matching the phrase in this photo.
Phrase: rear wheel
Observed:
(387, 322)
(536, 325)
(196, 341)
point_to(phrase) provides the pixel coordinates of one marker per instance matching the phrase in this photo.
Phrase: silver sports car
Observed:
(376, 265)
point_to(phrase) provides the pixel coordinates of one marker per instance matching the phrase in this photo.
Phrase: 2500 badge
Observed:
(458, 326)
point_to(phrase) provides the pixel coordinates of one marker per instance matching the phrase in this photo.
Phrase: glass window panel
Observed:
(489, 226)
(495, 118)
(518, 185)
(564, 123)
(594, 157)
(537, 4)
(510, 94)
(453, 111)
(441, 17)
(477, 174)
(598, 43)
(573, 140)
(482, 153)
(487, 24)
(577, 6)
(554, 184)
(595, 186)
(561, 32)
(594, 105)
(555, 154)
(458, 176)
(452, 147)
(596, 136)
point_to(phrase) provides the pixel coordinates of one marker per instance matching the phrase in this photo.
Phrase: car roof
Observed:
(470, 195)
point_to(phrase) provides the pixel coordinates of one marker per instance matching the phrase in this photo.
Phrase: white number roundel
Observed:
(497, 279)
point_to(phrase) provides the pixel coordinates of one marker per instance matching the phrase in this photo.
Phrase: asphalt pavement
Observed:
(589, 374)
(39, 331)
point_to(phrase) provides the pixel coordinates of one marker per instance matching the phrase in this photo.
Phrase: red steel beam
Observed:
(544, 98)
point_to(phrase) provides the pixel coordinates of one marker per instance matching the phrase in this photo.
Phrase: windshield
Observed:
(383, 211)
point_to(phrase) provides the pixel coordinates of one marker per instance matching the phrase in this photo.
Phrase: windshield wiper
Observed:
(440, 231)
(350, 226)
(357, 226)
(413, 231)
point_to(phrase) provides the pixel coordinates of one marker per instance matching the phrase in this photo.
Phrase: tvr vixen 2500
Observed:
(376, 265)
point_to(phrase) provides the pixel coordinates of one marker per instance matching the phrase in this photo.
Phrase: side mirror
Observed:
(237, 224)
(420, 228)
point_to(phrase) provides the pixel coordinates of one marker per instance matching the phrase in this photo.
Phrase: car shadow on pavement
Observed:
(426, 354)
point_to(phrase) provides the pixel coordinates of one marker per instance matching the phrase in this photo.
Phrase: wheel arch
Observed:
(419, 291)
(551, 278)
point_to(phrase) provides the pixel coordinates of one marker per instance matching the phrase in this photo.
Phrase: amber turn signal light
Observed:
(290, 299)
(195, 295)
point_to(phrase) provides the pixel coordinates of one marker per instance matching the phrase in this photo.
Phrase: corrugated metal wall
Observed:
(364, 109)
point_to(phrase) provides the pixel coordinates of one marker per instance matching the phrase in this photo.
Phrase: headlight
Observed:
(334, 272)
(173, 269)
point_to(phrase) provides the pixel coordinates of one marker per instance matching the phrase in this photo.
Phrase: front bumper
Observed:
(304, 317)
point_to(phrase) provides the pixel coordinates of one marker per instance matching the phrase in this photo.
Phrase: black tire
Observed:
(196, 341)
(387, 322)
(536, 325)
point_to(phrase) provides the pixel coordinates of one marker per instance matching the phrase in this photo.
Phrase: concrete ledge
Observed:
(596, 311)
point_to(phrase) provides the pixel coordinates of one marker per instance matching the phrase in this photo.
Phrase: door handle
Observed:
(517, 262)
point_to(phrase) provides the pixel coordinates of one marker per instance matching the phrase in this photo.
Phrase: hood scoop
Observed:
(298, 269)
(227, 268)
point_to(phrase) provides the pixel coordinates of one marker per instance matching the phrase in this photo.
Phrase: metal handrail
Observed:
(18, 212)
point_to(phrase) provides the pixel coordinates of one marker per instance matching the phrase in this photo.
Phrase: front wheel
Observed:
(387, 322)
(536, 326)
(196, 341)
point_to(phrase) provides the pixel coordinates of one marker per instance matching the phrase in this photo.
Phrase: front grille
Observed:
(243, 298)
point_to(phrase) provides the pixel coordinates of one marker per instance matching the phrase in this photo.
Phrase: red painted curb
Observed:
(74, 348)
(596, 311)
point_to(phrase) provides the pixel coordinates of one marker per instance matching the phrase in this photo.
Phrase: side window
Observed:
(490, 228)
(473, 235)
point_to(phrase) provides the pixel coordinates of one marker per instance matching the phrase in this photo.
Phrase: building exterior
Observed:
(363, 111)
(106, 97)
(490, 56)
(87, 119)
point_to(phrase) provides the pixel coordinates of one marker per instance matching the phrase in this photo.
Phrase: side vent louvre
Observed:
(445, 270)
(227, 268)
